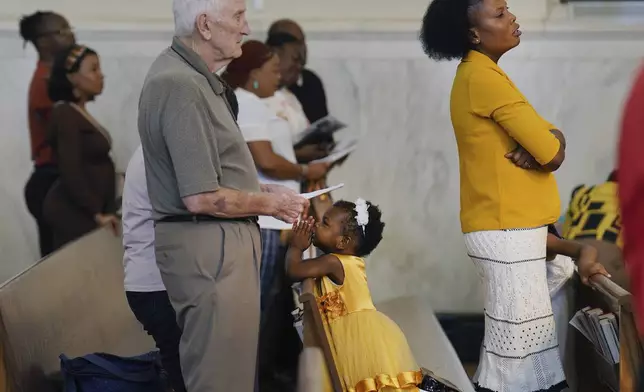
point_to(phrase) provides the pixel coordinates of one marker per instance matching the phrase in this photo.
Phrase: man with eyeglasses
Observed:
(49, 33)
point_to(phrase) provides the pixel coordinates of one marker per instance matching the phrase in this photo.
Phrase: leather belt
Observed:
(206, 218)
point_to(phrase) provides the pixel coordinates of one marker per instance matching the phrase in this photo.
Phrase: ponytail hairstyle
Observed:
(31, 26)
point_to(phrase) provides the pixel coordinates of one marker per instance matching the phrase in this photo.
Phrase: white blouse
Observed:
(286, 105)
(259, 123)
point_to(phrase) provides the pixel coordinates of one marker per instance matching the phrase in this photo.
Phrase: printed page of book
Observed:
(338, 153)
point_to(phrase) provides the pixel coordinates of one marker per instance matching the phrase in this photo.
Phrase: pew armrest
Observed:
(618, 298)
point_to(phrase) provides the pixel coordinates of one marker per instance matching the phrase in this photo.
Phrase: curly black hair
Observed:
(31, 25)
(372, 235)
(60, 88)
(445, 32)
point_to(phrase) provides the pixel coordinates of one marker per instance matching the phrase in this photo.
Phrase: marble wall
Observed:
(397, 102)
(327, 15)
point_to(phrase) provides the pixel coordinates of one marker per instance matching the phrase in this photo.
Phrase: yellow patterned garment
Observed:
(593, 213)
(370, 351)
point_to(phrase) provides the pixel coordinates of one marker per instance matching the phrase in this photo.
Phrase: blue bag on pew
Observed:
(110, 373)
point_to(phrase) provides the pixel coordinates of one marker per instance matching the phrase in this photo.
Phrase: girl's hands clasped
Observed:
(302, 234)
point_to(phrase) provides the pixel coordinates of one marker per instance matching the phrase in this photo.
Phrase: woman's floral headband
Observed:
(73, 57)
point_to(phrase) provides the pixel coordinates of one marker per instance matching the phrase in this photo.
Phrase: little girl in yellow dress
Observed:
(369, 349)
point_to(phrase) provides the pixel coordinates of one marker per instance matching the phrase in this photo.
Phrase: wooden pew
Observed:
(593, 372)
(71, 302)
(314, 333)
(429, 343)
(631, 355)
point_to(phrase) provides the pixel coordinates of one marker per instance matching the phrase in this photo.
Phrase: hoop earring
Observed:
(256, 85)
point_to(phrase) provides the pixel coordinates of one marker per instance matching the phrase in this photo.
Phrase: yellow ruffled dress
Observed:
(369, 349)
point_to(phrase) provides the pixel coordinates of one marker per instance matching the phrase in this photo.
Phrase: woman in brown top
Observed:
(84, 196)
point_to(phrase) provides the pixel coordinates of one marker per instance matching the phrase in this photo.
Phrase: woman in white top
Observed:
(255, 76)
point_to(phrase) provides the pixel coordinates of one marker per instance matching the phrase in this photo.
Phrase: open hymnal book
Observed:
(318, 131)
(601, 330)
(340, 151)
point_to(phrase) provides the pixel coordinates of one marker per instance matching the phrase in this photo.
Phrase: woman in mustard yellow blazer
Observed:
(507, 154)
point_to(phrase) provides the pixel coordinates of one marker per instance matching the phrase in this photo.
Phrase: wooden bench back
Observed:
(314, 333)
(72, 302)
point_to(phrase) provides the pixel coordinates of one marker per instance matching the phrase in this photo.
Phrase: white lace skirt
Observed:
(520, 351)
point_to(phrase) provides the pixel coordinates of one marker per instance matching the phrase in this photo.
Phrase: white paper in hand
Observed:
(338, 153)
(321, 192)
(345, 143)
(287, 226)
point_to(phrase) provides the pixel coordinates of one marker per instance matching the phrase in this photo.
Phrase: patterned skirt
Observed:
(520, 351)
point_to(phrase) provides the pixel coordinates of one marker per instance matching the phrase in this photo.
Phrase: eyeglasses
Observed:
(65, 32)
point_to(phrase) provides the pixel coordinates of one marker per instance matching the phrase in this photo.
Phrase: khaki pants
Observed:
(211, 272)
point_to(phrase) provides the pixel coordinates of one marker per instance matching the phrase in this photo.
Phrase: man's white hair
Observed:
(187, 11)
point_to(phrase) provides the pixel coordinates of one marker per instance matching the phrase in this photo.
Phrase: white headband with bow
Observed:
(362, 210)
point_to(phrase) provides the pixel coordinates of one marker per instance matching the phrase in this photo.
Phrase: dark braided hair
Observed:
(369, 240)
(445, 32)
(31, 25)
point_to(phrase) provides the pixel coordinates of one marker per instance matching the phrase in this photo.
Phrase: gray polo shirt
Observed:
(191, 142)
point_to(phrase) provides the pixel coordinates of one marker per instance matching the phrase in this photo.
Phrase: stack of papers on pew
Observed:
(601, 330)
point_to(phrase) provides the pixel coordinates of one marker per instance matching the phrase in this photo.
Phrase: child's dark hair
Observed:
(31, 25)
(372, 235)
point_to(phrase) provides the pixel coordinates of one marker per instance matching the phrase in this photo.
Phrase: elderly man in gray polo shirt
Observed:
(205, 196)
